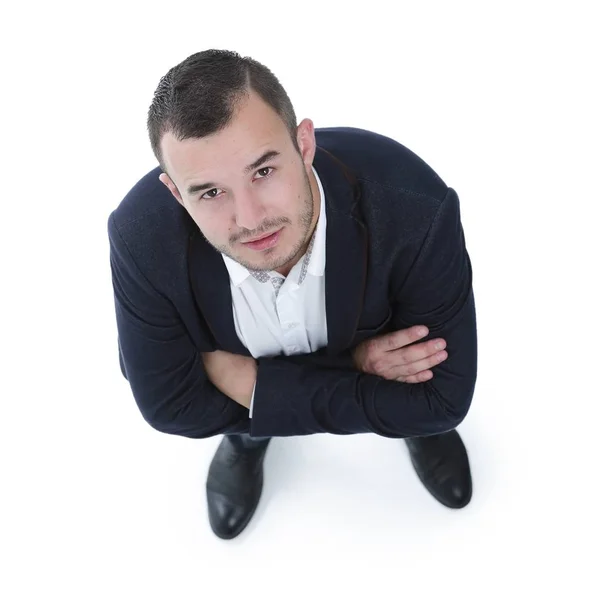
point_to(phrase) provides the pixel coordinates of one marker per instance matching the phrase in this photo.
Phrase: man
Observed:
(273, 280)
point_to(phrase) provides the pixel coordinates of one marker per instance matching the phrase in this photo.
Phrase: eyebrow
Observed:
(265, 157)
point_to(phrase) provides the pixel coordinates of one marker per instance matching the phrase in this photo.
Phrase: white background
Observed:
(501, 99)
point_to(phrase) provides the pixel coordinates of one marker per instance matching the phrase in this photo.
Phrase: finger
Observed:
(409, 369)
(400, 338)
(415, 352)
(418, 378)
(393, 363)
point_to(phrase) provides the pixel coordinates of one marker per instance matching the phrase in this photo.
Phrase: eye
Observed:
(210, 194)
(264, 172)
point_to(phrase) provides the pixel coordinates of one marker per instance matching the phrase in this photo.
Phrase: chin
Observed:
(267, 260)
(270, 259)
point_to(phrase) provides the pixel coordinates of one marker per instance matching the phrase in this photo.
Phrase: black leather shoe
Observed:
(442, 464)
(234, 484)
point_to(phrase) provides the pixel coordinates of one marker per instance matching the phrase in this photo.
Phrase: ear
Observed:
(305, 135)
(166, 180)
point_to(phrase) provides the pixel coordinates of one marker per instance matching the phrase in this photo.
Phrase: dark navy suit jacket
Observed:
(395, 257)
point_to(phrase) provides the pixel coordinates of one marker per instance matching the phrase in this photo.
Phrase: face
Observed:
(248, 183)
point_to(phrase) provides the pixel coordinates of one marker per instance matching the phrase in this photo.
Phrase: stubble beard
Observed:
(304, 221)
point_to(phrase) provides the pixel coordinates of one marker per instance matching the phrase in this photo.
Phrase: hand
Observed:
(390, 357)
(233, 374)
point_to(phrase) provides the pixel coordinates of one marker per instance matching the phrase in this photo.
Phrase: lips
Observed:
(255, 240)
(264, 242)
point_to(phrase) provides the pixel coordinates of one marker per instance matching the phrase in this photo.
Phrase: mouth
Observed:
(267, 241)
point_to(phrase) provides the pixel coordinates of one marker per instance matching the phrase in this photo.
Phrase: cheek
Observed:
(214, 222)
(287, 198)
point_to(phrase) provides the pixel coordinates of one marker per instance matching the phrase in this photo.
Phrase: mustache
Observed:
(266, 227)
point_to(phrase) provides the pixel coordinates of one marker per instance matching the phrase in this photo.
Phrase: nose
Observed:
(249, 211)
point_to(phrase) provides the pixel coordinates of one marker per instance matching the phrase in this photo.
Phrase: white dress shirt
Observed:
(277, 315)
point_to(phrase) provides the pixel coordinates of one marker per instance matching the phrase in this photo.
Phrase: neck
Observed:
(284, 270)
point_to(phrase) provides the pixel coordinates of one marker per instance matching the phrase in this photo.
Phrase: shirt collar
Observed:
(316, 265)
(237, 272)
(315, 254)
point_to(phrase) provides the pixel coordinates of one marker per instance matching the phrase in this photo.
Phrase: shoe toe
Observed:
(457, 494)
(227, 519)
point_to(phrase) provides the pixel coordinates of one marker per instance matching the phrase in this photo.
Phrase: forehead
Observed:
(254, 129)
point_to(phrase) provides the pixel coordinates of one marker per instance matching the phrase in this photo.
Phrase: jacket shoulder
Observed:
(153, 226)
(149, 200)
(381, 160)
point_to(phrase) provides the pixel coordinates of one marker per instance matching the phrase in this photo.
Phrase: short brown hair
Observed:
(198, 96)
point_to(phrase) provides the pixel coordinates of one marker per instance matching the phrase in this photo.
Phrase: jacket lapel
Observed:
(210, 284)
(346, 251)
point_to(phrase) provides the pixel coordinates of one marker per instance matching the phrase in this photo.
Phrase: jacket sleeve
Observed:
(164, 368)
(437, 293)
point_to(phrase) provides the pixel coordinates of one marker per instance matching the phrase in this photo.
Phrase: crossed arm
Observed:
(391, 356)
